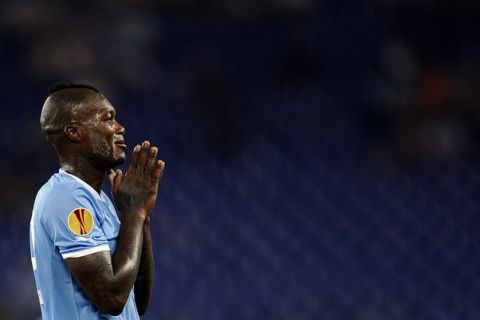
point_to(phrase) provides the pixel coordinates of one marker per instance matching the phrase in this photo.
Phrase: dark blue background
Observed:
(287, 194)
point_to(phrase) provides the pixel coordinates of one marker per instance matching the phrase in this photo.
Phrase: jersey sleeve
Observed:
(73, 223)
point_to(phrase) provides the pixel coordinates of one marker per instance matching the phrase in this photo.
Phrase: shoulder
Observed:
(62, 185)
(61, 195)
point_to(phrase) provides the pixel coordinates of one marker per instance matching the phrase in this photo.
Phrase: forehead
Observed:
(98, 105)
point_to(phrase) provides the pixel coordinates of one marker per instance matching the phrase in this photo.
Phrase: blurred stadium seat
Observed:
(297, 221)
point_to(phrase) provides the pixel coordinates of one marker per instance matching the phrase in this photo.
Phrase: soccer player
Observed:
(88, 262)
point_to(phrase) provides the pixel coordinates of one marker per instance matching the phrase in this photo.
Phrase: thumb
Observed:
(111, 176)
(116, 180)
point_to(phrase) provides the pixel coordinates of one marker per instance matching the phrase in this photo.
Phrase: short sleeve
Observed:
(73, 225)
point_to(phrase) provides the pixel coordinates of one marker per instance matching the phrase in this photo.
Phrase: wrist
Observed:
(138, 215)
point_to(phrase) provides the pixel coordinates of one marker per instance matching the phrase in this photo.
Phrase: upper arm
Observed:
(94, 273)
(73, 224)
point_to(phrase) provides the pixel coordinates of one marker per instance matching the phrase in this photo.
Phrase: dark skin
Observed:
(89, 142)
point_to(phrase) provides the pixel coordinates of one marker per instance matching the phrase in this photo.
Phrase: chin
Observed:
(115, 162)
(118, 161)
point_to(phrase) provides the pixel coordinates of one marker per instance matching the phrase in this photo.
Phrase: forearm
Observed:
(127, 256)
(106, 279)
(146, 272)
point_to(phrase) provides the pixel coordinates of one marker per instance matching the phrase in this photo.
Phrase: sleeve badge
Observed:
(80, 221)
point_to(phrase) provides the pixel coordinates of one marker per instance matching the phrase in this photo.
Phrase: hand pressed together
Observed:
(136, 191)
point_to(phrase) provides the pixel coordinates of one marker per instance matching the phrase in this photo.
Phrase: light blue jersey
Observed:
(70, 220)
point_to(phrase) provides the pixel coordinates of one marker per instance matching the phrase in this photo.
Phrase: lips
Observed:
(121, 144)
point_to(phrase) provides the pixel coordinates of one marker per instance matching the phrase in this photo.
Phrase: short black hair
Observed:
(62, 85)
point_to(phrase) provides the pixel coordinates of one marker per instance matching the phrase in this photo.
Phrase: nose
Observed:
(120, 129)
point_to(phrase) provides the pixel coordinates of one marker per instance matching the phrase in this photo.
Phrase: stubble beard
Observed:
(103, 153)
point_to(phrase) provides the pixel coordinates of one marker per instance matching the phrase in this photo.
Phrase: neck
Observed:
(84, 170)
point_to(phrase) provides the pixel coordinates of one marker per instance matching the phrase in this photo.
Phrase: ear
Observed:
(73, 132)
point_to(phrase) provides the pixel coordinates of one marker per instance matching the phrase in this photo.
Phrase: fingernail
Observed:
(137, 148)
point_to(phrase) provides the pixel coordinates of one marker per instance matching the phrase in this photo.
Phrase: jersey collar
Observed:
(86, 185)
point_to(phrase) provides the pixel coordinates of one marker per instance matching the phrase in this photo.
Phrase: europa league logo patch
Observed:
(80, 221)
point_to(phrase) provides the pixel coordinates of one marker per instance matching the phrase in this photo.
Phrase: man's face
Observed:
(105, 135)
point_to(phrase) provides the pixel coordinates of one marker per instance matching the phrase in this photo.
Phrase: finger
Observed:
(158, 172)
(132, 167)
(150, 167)
(142, 159)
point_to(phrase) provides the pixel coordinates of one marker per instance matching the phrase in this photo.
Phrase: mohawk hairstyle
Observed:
(62, 85)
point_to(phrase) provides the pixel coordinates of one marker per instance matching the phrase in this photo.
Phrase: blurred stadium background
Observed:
(322, 156)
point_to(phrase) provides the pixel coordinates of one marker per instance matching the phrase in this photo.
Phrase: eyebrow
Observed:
(110, 111)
